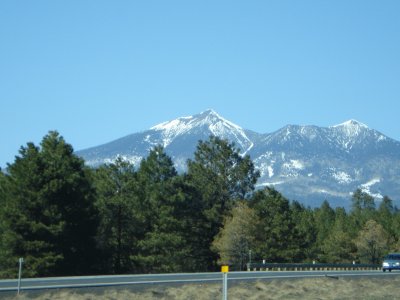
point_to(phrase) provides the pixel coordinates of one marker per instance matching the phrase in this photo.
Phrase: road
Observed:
(119, 280)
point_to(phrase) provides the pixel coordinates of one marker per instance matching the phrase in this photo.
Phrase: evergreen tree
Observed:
(325, 219)
(49, 217)
(277, 235)
(195, 258)
(3, 192)
(395, 244)
(306, 232)
(162, 248)
(2, 187)
(5, 253)
(385, 216)
(120, 218)
(221, 176)
(363, 209)
(339, 246)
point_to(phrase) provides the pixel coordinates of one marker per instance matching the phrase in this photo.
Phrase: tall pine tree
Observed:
(49, 216)
(120, 216)
(162, 247)
(220, 175)
(277, 234)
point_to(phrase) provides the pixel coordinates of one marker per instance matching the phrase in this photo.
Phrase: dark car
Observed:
(391, 262)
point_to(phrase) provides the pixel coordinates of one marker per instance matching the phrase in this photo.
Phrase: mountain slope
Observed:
(179, 137)
(311, 163)
(306, 163)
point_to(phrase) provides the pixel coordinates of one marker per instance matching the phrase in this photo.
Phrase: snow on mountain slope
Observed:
(307, 163)
(208, 120)
(352, 133)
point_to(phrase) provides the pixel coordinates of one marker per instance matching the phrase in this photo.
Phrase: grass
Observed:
(318, 288)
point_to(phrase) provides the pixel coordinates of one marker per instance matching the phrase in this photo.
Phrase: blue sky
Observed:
(99, 70)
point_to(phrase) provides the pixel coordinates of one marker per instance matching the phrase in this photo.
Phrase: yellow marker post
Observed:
(224, 270)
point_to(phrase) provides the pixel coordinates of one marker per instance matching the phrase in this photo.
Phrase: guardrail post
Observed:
(225, 270)
(21, 260)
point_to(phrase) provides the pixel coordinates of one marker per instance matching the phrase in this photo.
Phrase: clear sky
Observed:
(98, 70)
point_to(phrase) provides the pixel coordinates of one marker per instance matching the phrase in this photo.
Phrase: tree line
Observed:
(65, 218)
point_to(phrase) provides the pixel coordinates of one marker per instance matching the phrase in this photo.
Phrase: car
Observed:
(391, 262)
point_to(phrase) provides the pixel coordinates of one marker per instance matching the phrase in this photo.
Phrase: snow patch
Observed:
(382, 138)
(366, 188)
(216, 124)
(351, 125)
(266, 155)
(293, 164)
(291, 168)
(297, 164)
(342, 177)
(133, 159)
(269, 183)
(270, 171)
(266, 169)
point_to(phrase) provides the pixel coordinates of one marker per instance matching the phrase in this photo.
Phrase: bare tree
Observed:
(236, 238)
(372, 242)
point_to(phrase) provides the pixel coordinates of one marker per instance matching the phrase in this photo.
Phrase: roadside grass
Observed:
(317, 288)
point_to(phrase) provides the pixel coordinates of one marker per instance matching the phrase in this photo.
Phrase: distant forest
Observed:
(65, 218)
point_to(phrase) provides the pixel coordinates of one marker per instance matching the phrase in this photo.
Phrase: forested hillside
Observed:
(65, 218)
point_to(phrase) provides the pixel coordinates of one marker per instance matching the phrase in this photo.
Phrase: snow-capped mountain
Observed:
(305, 163)
(209, 123)
(179, 137)
(311, 163)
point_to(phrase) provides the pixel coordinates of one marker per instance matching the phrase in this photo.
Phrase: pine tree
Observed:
(277, 233)
(339, 246)
(324, 219)
(305, 232)
(163, 247)
(395, 244)
(220, 175)
(120, 215)
(385, 216)
(363, 209)
(49, 217)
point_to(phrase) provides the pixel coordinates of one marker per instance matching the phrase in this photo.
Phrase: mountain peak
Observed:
(351, 124)
(210, 119)
(351, 128)
(307, 163)
(210, 112)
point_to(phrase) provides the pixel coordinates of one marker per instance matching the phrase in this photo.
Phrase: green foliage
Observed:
(363, 209)
(162, 248)
(65, 219)
(372, 242)
(120, 215)
(325, 218)
(237, 237)
(277, 234)
(305, 232)
(220, 176)
(48, 217)
(385, 217)
(338, 248)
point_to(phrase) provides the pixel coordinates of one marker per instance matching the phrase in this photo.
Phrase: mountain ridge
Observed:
(307, 163)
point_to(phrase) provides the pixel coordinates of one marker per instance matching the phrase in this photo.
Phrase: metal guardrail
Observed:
(310, 267)
(184, 278)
